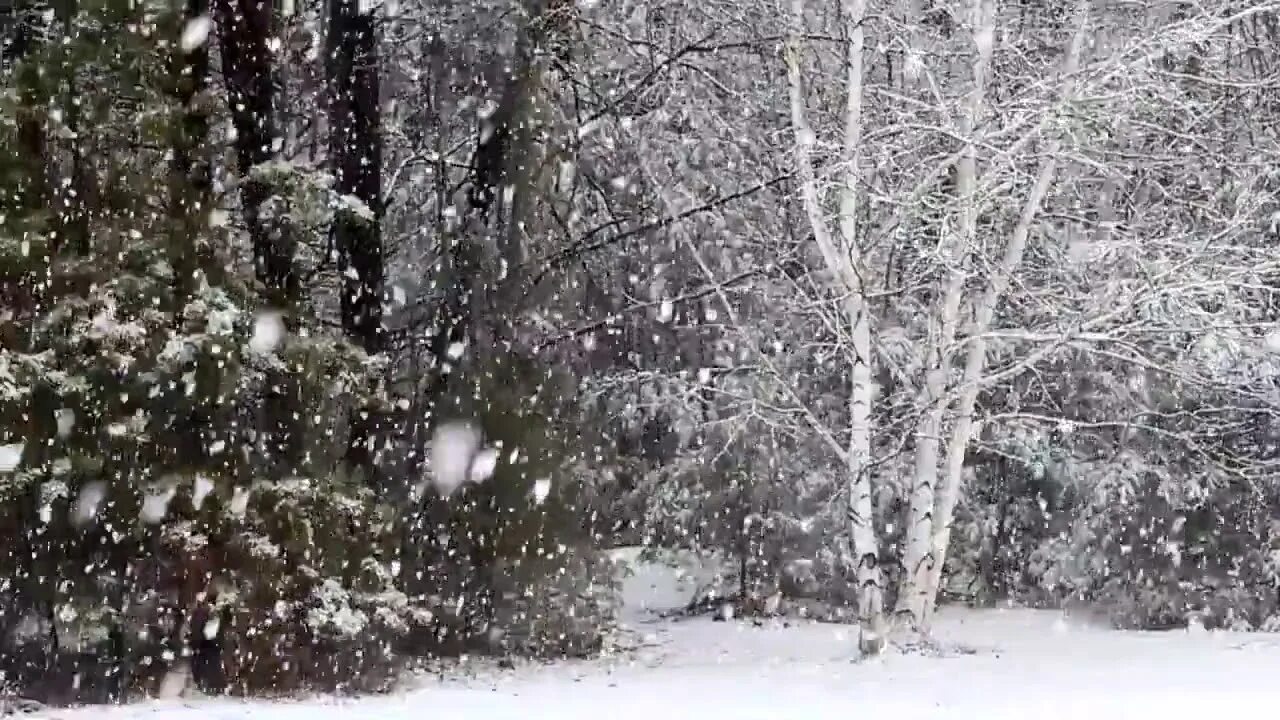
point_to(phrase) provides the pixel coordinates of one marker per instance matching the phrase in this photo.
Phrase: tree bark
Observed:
(190, 173)
(355, 148)
(916, 593)
(843, 262)
(244, 28)
(190, 194)
(355, 154)
(976, 357)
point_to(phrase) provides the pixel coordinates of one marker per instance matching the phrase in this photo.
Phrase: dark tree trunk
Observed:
(22, 291)
(476, 289)
(190, 193)
(244, 29)
(355, 152)
(190, 179)
(355, 147)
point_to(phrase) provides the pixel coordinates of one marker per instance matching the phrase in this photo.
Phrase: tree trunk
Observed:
(976, 357)
(244, 28)
(190, 177)
(355, 147)
(917, 594)
(190, 196)
(843, 262)
(75, 199)
(355, 154)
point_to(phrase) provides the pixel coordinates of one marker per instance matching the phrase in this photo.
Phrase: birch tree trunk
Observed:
(917, 593)
(842, 261)
(976, 357)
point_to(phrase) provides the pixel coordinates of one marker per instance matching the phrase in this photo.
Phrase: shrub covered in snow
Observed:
(565, 611)
(1142, 537)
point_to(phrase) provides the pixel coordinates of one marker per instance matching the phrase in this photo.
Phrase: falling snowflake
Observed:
(65, 418)
(196, 33)
(88, 504)
(268, 332)
(155, 504)
(482, 467)
(1273, 342)
(210, 630)
(239, 501)
(201, 487)
(11, 456)
(457, 457)
(176, 681)
(541, 489)
(913, 67)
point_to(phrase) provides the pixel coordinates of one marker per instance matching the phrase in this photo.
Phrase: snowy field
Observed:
(1026, 664)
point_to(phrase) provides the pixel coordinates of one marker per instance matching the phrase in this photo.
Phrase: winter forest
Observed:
(347, 342)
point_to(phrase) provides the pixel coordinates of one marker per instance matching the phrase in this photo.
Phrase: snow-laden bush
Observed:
(1152, 550)
(307, 598)
(567, 612)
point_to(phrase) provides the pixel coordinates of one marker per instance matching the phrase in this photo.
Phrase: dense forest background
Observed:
(881, 301)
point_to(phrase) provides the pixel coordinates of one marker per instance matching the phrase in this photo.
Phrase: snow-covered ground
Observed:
(1026, 664)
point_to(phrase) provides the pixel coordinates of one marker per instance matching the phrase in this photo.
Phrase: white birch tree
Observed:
(932, 510)
(916, 592)
(843, 260)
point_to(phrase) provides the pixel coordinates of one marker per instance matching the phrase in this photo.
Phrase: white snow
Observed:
(541, 489)
(332, 613)
(457, 457)
(268, 332)
(87, 504)
(1038, 664)
(155, 504)
(239, 501)
(200, 489)
(11, 456)
(483, 465)
(196, 33)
